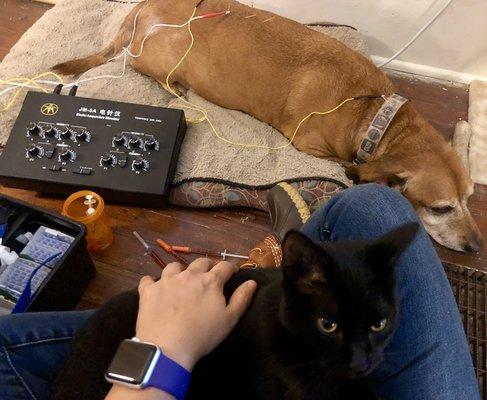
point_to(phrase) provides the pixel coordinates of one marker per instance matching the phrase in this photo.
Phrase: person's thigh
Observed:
(428, 357)
(32, 348)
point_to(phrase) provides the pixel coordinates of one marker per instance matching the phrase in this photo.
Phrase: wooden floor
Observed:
(121, 266)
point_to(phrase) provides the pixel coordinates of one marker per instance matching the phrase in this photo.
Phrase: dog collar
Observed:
(378, 127)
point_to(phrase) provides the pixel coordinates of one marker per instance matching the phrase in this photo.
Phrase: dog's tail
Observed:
(122, 39)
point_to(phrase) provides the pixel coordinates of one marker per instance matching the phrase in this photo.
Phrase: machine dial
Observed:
(33, 129)
(135, 143)
(82, 136)
(119, 140)
(34, 151)
(50, 131)
(108, 160)
(65, 133)
(140, 164)
(151, 144)
(67, 155)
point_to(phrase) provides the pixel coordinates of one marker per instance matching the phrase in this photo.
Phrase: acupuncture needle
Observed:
(149, 251)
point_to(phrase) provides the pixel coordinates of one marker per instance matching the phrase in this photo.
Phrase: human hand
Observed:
(186, 314)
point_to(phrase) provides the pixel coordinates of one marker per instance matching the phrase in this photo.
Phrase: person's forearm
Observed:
(123, 393)
(177, 305)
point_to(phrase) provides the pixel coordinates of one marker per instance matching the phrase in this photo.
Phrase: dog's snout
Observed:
(474, 245)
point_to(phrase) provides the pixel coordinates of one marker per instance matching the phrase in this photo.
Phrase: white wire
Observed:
(156, 26)
(125, 51)
(4, 91)
(413, 39)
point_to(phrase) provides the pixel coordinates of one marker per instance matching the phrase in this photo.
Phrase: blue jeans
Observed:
(428, 357)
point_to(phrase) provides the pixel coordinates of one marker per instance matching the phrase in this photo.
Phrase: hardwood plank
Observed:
(442, 105)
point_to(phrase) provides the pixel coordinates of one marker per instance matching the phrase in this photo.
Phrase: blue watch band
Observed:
(170, 377)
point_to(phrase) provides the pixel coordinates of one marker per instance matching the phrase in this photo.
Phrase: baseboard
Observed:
(431, 72)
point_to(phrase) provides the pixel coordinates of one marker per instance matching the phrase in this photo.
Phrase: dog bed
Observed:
(230, 175)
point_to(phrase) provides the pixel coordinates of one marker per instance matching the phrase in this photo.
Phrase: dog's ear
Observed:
(379, 171)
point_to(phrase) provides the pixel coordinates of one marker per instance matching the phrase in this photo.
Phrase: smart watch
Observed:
(138, 365)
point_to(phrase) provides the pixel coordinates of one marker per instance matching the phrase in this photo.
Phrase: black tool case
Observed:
(68, 279)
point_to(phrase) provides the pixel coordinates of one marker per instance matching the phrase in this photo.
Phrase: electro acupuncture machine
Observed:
(126, 152)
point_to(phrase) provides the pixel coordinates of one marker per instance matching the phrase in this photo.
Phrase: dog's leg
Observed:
(175, 87)
(343, 163)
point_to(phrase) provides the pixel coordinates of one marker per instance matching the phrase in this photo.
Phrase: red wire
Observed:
(212, 15)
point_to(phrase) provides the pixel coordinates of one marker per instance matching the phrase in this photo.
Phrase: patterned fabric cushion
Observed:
(213, 194)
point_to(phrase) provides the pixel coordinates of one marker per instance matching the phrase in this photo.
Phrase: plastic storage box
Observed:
(69, 274)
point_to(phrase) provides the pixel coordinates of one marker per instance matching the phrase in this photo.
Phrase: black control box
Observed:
(125, 152)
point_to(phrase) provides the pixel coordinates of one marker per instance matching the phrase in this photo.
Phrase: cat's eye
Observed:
(379, 326)
(327, 325)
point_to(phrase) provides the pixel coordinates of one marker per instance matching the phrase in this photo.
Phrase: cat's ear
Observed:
(385, 250)
(299, 259)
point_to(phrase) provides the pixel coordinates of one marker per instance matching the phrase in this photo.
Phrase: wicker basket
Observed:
(470, 289)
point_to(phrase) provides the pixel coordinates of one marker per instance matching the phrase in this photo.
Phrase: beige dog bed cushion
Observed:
(75, 28)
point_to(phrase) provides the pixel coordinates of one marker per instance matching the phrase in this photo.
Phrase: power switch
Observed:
(82, 171)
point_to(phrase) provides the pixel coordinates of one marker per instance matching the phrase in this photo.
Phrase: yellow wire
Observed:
(204, 113)
(27, 81)
(16, 80)
(187, 105)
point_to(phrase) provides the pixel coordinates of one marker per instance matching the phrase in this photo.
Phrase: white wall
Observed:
(455, 46)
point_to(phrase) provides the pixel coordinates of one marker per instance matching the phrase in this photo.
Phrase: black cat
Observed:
(315, 329)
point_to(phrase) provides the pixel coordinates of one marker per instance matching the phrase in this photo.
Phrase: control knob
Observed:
(108, 160)
(49, 131)
(67, 155)
(65, 133)
(82, 136)
(119, 140)
(34, 151)
(151, 144)
(33, 129)
(135, 143)
(140, 164)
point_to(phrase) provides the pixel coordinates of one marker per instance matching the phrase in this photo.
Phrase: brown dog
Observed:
(279, 71)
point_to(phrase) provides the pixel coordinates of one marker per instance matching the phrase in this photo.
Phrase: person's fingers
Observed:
(144, 282)
(200, 265)
(240, 300)
(224, 271)
(171, 269)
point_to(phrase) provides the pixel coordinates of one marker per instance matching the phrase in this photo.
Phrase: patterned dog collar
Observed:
(378, 127)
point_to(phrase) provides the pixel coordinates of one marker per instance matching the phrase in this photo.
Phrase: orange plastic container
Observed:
(88, 208)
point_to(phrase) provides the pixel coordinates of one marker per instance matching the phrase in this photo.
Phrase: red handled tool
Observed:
(168, 249)
(190, 250)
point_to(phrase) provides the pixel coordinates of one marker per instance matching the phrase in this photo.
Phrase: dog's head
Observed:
(436, 183)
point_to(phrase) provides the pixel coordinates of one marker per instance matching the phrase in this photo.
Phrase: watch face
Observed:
(131, 362)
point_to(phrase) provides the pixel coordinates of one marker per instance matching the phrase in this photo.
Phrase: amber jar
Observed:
(88, 208)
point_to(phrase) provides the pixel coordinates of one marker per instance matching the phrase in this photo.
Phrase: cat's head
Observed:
(339, 298)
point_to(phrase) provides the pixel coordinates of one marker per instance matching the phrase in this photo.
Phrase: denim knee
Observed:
(366, 210)
(375, 199)
(5, 329)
